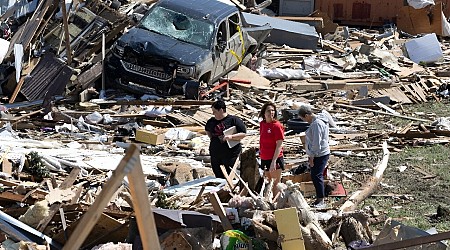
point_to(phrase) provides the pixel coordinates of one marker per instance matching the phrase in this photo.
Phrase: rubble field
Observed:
(103, 108)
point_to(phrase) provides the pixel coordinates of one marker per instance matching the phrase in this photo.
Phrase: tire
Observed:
(192, 90)
(297, 125)
(288, 114)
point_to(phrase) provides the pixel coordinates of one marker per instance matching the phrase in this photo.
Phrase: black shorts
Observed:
(265, 164)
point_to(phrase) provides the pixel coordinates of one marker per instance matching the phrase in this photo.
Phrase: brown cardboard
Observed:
(154, 137)
(297, 178)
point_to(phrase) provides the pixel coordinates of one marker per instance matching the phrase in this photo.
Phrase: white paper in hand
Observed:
(231, 131)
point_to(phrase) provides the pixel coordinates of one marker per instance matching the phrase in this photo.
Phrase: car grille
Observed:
(153, 73)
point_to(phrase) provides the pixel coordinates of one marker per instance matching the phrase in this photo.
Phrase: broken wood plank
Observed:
(17, 90)
(411, 242)
(67, 183)
(66, 32)
(157, 103)
(426, 174)
(129, 163)
(227, 177)
(220, 211)
(289, 229)
(382, 112)
(141, 205)
(414, 134)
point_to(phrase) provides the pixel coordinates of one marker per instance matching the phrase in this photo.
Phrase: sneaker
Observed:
(319, 205)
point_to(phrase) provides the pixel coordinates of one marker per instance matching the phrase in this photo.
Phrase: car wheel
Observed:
(191, 90)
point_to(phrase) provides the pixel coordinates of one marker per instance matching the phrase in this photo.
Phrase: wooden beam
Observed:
(227, 177)
(220, 211)
(129, 165)
(369, 188)
(66, 32)
(160, 102)
(381, 112)
(411, 242)
(17, 90)
(141, 205)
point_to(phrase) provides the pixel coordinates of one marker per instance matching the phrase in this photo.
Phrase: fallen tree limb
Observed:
(313, 234)
(370, 186)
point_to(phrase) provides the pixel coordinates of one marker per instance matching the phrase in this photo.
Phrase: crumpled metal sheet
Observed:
(293, 34)
(48, 78)
(171, 219)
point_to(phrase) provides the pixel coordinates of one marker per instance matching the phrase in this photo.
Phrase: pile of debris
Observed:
(68, 140)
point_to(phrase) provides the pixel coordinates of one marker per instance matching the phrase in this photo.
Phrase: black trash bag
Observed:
(300, 169)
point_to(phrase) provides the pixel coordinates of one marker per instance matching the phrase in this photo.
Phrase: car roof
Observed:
(215, 9)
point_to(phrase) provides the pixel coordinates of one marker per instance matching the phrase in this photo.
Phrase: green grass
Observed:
(414, 199)
(422, 196)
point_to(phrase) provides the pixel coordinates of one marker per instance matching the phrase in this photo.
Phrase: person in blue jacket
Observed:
(317, 148)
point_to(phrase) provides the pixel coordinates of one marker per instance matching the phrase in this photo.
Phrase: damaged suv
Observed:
(182, 44)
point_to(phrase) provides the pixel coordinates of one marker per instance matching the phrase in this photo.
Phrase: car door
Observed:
(220, 50)
(236, 41)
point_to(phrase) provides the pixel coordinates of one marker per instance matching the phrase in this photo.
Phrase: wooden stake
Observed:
(220, 211)
(129, 165)
(66, 32)
(141, 205)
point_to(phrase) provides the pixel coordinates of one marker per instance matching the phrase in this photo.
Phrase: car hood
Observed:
(147, 43)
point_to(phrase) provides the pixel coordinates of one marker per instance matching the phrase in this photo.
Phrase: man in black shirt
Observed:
(220, 152)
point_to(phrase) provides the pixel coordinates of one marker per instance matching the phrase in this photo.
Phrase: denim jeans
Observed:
(317, 174)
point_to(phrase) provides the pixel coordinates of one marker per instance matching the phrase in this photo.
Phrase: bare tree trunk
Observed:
(353, 229)
(370, 187)
(313, 234)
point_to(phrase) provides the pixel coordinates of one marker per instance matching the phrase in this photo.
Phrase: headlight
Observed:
(118, 49)
(186, 71)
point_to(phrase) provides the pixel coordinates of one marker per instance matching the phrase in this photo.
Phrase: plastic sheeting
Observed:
(419, 4)
(284, 74)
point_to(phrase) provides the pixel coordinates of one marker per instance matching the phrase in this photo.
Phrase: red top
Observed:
(269, 134)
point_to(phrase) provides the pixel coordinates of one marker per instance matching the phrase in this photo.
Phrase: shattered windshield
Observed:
(179, 26)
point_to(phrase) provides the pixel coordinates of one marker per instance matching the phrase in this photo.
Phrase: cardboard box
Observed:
(308, 189)
(297, 178)
(154, 137)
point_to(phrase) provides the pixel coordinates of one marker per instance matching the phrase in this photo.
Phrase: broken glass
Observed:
(179, 26)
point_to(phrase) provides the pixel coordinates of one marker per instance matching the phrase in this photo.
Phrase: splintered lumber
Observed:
(67, 183)
(220, 211)
(289, 229)
(381, 112)
(158, 103)
(176, 240)
(21, 231)
(129, 166)
(411, 242)
(66, 33)
(370, 186)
